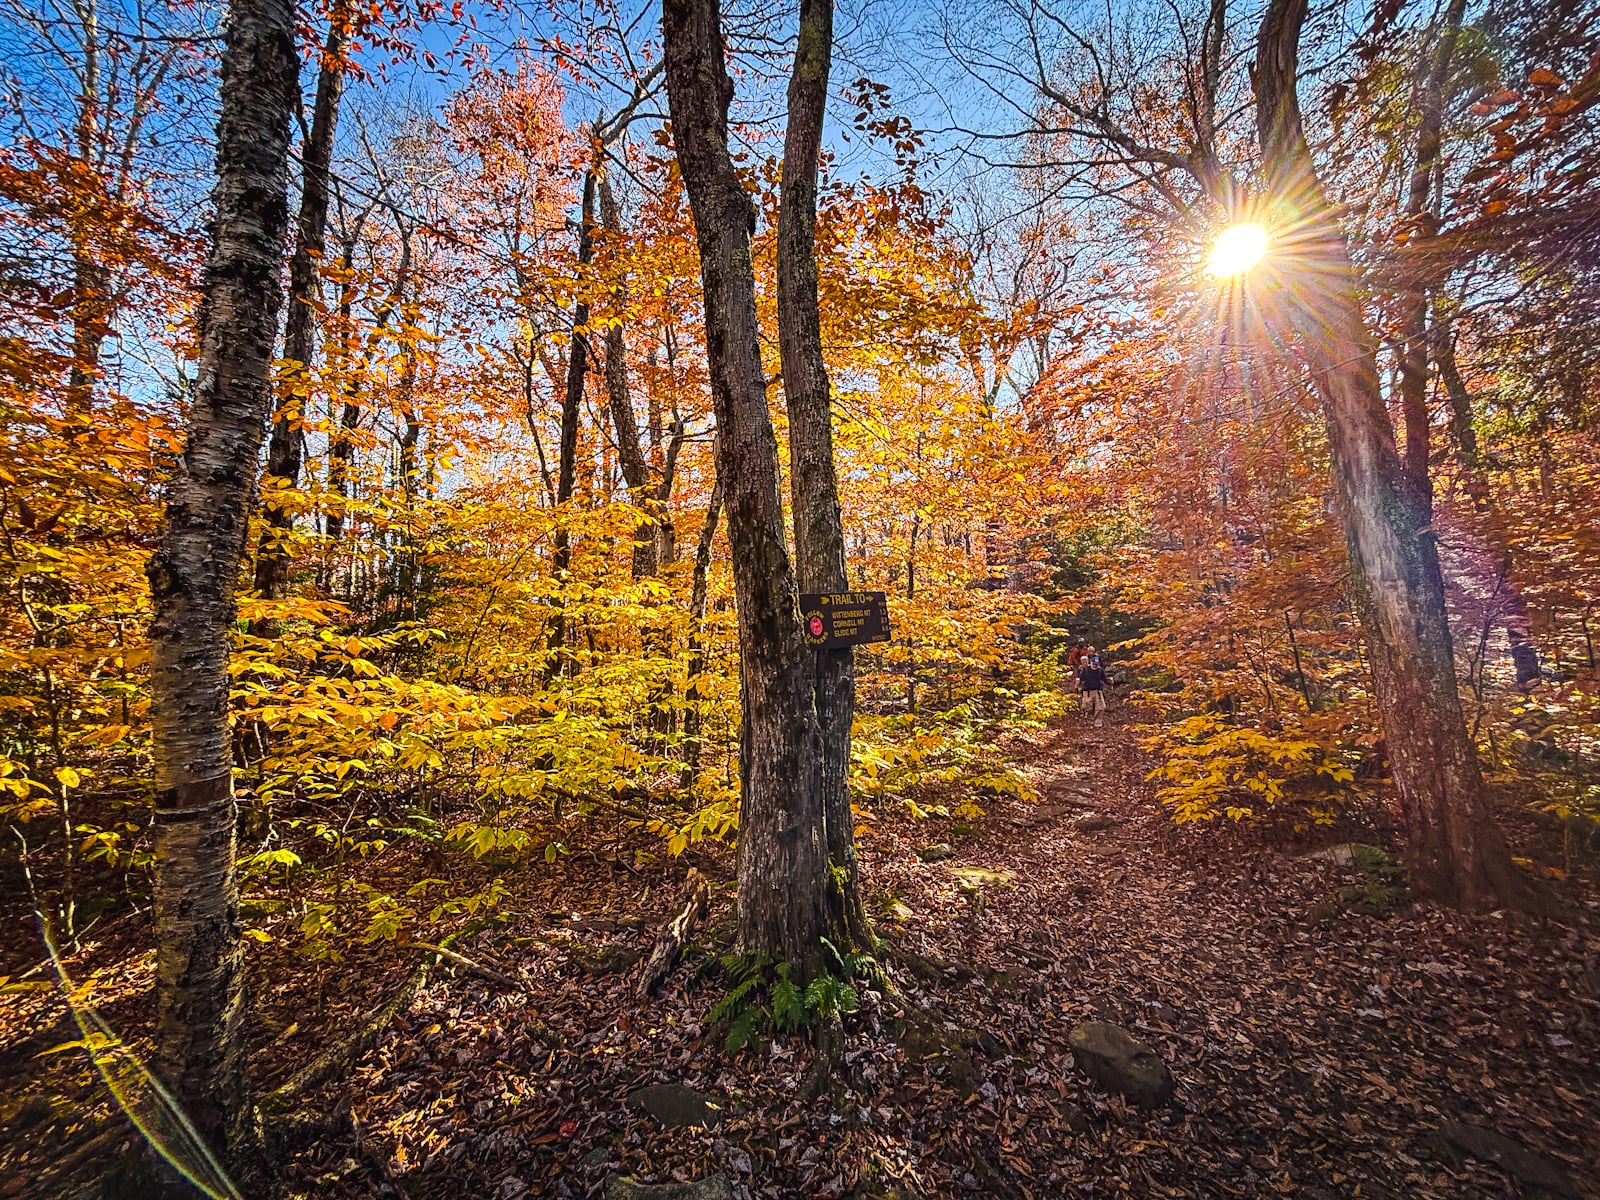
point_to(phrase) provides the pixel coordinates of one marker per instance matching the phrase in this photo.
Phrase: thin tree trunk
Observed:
(630, 455)
(782, 858)
(1421, 226)
(911, 557)
(341, 451)
(411, 431)
(818, 530)
(90, 307)
(666, 532)
(91, 321)
(697, 653)
(1454, 853)
(286, 448)
(1442, 346)
(571, 411)
(200, 998)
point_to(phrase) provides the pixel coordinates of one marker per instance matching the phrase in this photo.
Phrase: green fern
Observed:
(736, 1001)
(827, 996)
(764, 996)
(788, 1008)
(742, 1029)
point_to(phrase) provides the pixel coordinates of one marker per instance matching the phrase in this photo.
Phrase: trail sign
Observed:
(829, 620)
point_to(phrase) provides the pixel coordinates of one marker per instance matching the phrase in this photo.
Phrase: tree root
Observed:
(827, 1062)
(472, 966)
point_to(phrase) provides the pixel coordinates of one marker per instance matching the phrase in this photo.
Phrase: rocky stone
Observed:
(1361, 856)
(676, 1106)
(983, 877)
(1095, 822)
(736, 1157)
(713, 1187)
(1120, 1063)
(1456, 1139)
(603, 922)
(605, 960)
(935, 853)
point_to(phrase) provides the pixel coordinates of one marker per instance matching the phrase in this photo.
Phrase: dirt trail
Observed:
(1318, 1052)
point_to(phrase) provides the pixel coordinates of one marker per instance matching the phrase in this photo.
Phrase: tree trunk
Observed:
(666, 532)
(818, 531)
(697, 654)
(1442, 346)
(91, 282)
(1421, 226)
(630, 455)
(782, 857)
(91, 320)
(200, 1002)
(571, 411)
(411, 431)
(286, 449)
(342, 447)
(1454, 853)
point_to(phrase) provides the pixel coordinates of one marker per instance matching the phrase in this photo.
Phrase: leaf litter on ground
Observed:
(1409, 1052)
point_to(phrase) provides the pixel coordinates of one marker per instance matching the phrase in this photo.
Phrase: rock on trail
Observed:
(1118, 1062)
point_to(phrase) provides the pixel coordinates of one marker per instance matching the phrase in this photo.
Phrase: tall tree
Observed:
(625, 422)
(199, 969)
(818, 532)
(1422, 225)
(1454, 852)
(782, 857)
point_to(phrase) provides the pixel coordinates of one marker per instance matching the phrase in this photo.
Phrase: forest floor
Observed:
(1329, 1038)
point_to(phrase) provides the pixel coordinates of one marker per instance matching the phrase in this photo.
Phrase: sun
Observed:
(1237, 249)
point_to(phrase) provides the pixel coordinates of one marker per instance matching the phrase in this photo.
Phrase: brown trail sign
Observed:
(833, 619)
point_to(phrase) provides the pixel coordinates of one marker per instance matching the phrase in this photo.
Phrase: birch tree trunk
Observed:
(782, 858)
(1454, 853)
(286, 449)
(200, 1000)
(818, 531)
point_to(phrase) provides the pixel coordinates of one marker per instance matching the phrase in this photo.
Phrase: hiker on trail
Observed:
(1092, 684)
(1074, 661)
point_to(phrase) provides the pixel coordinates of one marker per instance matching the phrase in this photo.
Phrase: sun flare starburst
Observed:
(1237, 249)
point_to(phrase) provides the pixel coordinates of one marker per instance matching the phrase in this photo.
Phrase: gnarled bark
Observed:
(200, 999)
(782, 858)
